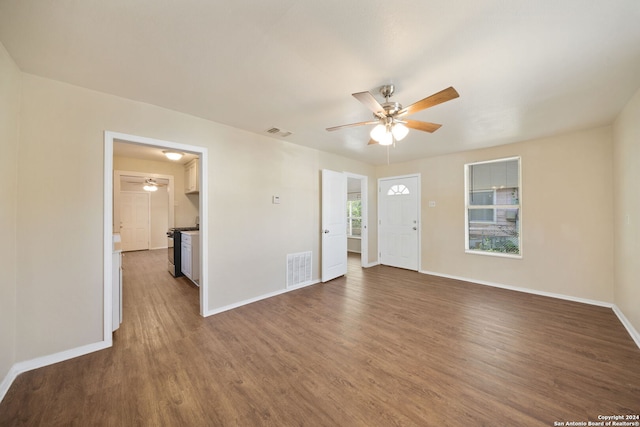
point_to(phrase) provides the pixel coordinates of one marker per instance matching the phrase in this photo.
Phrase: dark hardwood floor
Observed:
(380, 347)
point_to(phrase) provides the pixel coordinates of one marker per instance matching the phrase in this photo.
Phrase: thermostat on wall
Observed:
(275, 200)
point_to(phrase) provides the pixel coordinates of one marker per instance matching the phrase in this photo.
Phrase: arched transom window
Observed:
(397, 190)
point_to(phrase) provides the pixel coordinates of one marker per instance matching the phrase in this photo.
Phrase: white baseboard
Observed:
(371, 264)
(43, 361)
(40, 362)
(632, 331)
(258, 298)
(625, 322)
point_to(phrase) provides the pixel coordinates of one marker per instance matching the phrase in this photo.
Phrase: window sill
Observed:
(496, 254)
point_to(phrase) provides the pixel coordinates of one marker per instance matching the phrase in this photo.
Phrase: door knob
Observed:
(326, 231)
(415, 228)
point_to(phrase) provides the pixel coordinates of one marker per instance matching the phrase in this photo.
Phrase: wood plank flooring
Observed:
(380, 347)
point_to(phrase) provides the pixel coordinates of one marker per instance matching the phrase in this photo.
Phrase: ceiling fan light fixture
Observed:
(399, 131)
(378, 132)
(150, 185)
(173, 155)
(387, 138)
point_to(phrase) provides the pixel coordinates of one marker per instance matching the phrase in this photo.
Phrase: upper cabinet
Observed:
(191, 180)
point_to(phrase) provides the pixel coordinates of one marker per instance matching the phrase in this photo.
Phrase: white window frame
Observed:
(468, 206)
(350, 219)
(495, 211)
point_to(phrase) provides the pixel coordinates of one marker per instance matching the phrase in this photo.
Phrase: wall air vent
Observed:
(298, 269)
(278, 132)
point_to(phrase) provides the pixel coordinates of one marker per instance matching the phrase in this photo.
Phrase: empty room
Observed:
(358, 213)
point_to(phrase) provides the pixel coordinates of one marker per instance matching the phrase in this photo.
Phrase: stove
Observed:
(175, 249)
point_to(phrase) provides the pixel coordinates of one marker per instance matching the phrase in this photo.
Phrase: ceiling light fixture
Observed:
(173, 155)
(389, 131)
(150, 185)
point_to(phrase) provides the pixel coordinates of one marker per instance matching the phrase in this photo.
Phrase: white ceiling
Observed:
(524, 69)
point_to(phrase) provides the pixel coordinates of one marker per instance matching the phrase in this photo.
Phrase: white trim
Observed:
(495, 207)
(107, 244)
(40, 362)
(625, 322)
(109, 138)
(364, 224)
(259, 298)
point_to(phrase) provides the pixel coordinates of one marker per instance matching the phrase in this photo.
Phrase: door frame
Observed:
(364, 199)
(108, 227)
(419, 213)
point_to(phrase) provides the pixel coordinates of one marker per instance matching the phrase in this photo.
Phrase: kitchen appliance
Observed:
(174, 235)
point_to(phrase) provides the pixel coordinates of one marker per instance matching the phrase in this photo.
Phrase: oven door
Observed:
(170, 250)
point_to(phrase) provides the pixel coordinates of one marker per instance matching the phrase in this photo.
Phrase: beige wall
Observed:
(9, 117)
(567, 216)
(626, 137)
(60, 263)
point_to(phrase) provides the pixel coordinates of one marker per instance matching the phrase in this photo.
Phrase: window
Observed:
(354, 218)
(492, 202)
(397, 190)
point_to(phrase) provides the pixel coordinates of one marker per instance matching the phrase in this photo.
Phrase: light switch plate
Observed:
(432, 203)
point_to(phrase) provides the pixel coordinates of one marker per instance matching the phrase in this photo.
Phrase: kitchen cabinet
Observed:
(190, 253)
(191, 185)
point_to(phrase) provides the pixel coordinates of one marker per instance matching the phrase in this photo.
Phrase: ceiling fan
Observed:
(391, 126)
(151, 184)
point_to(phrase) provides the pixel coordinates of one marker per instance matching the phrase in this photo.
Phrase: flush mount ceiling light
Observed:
(173, 155)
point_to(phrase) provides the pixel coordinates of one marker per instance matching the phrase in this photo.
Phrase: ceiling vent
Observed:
(278, 132)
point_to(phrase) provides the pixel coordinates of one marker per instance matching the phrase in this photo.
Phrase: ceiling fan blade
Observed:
(371, 122)
(423, 126)
(372, 142)
(370, 102)
(437, 98)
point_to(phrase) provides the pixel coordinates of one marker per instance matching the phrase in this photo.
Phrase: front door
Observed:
(134, 220)
(399, 221)
(334, 224)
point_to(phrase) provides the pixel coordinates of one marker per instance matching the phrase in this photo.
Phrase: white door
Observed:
(399, 222)
(134, 220)
(334, 224)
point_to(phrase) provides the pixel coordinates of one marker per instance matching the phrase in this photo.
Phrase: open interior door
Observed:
(334, 225)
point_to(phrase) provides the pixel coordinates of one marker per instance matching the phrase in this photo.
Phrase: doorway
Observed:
(340, 222)
(109, 226)
(160, 212)
(357, 225)
(399, 225)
